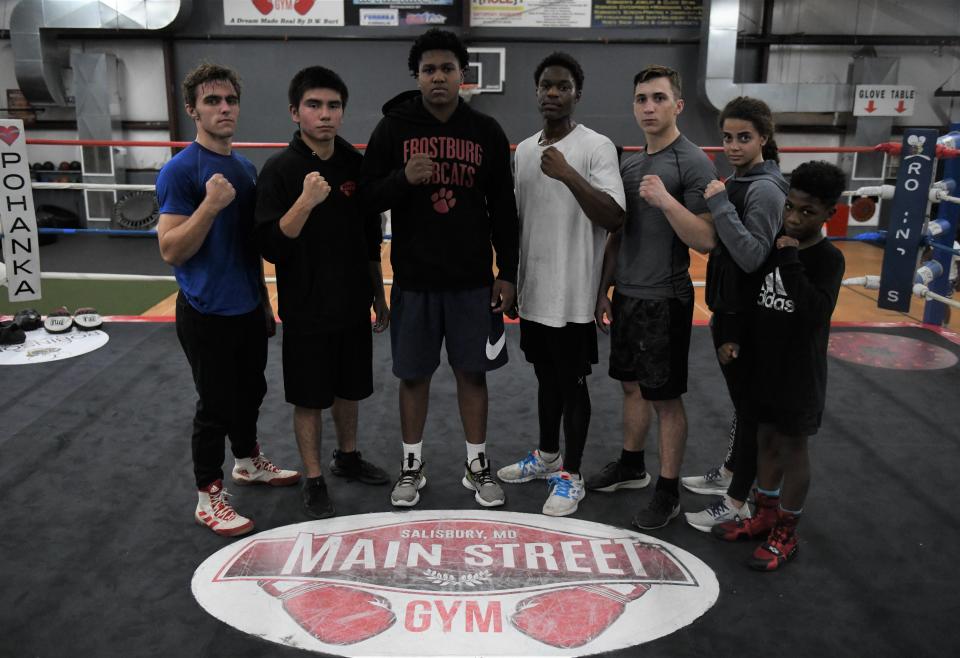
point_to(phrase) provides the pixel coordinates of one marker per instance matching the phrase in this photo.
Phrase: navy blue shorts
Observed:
(420, 321)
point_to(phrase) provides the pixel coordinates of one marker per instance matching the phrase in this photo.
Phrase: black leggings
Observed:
(227, 355)
(563, 398)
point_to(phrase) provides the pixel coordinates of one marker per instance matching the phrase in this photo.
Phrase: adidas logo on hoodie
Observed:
(773, 295)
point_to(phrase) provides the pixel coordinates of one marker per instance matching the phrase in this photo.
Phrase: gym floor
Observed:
(99, 544)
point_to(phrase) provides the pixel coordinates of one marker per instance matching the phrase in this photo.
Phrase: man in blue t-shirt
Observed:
(206, 195)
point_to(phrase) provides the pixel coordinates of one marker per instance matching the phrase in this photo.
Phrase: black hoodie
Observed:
(323, 275)
(442, 231)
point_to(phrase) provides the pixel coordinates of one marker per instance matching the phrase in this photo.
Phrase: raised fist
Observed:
(316, 189)
(419, 169)
(219, 192)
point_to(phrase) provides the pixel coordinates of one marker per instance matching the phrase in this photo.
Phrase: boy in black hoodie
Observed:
(444, 172)
(327, 255)
(787, 368)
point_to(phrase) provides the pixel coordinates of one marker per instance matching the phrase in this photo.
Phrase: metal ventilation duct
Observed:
(718, 52)
(33, 26)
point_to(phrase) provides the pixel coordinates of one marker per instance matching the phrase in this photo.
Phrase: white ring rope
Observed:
(108, 187)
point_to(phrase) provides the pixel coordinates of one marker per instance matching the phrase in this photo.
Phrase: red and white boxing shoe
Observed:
(215, 512)
(257, 469)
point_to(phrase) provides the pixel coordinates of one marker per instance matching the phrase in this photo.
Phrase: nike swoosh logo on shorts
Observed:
(494, 349)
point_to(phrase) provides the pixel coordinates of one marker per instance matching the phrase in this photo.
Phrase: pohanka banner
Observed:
(21, 245)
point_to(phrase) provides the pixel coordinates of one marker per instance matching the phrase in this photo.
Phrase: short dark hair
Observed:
(316, 77)
(207, 72)
(821, 180)
(564, 60)
(758, 113)
(436, 39)
(658, 71)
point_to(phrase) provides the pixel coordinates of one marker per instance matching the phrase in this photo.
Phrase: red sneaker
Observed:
(257, 469)
(215, 512)
(757, 526)
(781, 546)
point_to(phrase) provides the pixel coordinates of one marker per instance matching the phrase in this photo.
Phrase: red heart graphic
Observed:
(9, 134)
(263, 6)
(303, 6)
(348, 188)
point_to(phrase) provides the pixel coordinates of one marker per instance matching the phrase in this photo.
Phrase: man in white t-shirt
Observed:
(570, 196)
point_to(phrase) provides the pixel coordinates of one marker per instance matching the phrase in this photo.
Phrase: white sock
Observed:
(548, 457)
(415, 449)
(474, 450)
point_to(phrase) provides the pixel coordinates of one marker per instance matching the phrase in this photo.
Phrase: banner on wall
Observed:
(647, 13)
(283, 13)
(21, 246)
(530, 13)
(403, 12)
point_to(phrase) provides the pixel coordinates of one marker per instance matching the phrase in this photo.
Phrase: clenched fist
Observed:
(787, 241)
(553, 164)
(316, 189)
(653, 192)
(219, 192)
(419, 169)
(713, 187)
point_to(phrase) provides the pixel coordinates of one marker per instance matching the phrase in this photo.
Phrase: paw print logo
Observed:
(443, 201)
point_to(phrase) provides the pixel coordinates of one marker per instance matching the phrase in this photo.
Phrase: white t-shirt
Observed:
(561, 251)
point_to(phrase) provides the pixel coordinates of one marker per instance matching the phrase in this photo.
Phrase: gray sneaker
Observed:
(406, 492)
(719, 512)
(488, 492)
(714, 483)
(529, 468)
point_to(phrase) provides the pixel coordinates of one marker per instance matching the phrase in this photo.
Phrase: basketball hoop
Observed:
(468, 91)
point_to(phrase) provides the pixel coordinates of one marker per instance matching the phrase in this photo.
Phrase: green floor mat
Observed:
(108, 297)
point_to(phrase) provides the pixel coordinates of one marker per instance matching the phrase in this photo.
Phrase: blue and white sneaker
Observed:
(566, 492)
(529, 468)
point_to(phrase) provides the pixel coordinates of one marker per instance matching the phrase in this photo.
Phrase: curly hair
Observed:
(436, 39)
(819, 179)
(207, 72)
(316, 77)
(563, 60)
(758, 113)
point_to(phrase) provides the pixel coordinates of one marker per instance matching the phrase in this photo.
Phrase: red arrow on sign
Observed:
(871, 107)
(901, 106)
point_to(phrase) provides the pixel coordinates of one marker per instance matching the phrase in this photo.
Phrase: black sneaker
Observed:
(316, 500)
(351, 465)
(662, 508)
(615, 476)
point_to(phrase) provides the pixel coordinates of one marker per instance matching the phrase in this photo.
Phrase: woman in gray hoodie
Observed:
(747, 212)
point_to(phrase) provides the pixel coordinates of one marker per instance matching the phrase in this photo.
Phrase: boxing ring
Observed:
(99, 548)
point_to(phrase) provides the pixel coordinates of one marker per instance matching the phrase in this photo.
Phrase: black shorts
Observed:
(317, 367)
(792, 422)
(420, 321)
(649, 344)
(571, 349)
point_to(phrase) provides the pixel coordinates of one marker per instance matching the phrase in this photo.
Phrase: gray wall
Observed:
(376, 70)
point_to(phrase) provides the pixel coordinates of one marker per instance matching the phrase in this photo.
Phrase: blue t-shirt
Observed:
(223, 277)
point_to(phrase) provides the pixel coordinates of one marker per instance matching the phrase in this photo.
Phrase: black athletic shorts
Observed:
(420, 321)
(649, 344)
(792, 422)
(317, 367)
(571, 349)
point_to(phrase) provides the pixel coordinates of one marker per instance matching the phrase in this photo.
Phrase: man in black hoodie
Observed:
(327, 255)
(444, 172)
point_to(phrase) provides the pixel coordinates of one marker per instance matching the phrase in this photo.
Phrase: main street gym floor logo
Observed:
(454, 583)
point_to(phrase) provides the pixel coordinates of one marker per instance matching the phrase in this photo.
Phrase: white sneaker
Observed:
(566, 492)
(215, 512)
(719, 512)
(529, 468)
(714, 483)
(260, 470)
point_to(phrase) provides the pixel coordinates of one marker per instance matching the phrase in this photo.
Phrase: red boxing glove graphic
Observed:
(263, 6)
(303, 6)
(572, 617)
(334, 614)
